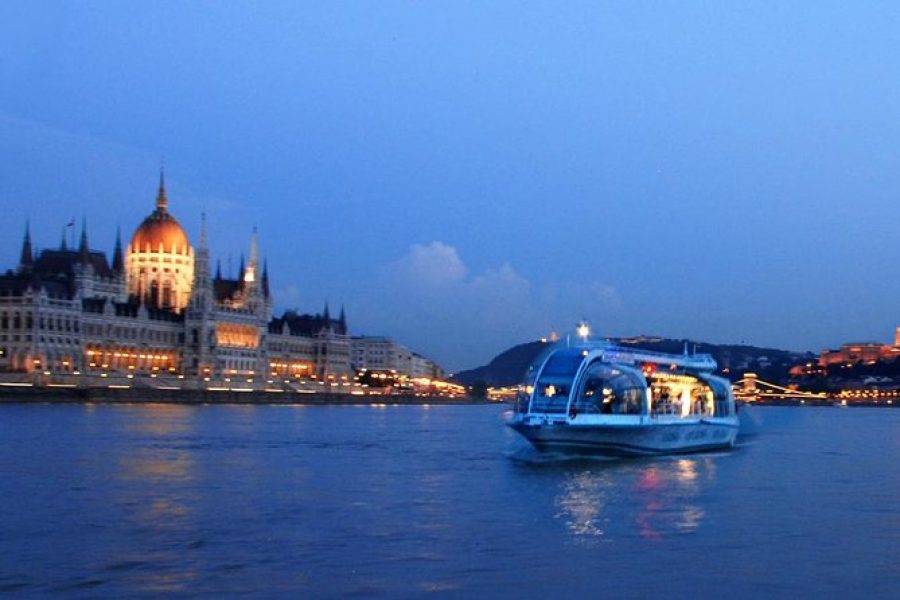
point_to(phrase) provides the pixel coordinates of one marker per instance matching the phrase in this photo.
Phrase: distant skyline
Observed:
(466, 176)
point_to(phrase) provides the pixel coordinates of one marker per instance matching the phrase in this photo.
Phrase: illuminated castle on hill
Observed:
(866, 352)
(156, 308)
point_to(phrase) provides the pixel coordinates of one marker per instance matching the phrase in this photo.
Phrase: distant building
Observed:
(383, 353)
(865, 352)
(425, 367)
(157, 308)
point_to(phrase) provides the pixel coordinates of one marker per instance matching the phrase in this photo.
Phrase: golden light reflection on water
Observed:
(167, 508)
(156, 478)
(162, 419)
(657, 499)
(159, 506)
(153, 465)
(687, 471)
(168, 582)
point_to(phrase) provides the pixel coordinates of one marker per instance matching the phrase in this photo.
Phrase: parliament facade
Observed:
(156, 308)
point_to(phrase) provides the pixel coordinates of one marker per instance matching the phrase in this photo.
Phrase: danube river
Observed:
(435, 501)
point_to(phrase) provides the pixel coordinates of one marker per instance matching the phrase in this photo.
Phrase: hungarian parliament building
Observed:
(156, 308)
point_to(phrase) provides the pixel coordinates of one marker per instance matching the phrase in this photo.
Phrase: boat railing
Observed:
(629, 355)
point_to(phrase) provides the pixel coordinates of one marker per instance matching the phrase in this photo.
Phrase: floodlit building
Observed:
(865, 352)
(155, 307)
(384, 354)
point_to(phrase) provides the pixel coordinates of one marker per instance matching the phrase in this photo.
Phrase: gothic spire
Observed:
(83, 245)
(265, 278)
(343, 321)
(162, 202)
(203, 239)
(26, 261)
(241, 270)
(118, 265)
(254, 250)
(327, 315)
(218, 269)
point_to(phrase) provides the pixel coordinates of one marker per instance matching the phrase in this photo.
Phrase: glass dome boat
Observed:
(596, 398)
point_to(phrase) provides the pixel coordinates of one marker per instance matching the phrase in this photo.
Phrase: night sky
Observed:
(466, 176)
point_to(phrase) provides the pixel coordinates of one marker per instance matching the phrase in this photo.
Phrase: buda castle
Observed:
(156, 308)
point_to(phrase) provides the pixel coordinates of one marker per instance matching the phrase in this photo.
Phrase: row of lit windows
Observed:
(131, 333)
(141, 254)
(143, 271)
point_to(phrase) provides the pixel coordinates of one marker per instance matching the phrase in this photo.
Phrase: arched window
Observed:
(721, 389)
(610, 389)
(167, 295)
(154, 293)
(551, 392)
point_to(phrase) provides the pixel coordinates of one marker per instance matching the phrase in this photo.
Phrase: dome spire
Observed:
(162, 202)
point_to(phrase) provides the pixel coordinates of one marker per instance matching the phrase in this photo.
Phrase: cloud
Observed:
(431, 300)
(435, 264)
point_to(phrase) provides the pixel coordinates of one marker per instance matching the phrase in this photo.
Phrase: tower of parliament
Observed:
(156, 308)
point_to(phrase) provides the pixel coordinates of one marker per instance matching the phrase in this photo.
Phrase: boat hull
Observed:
(650, 439)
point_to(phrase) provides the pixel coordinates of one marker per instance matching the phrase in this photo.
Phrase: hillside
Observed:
(734, 360)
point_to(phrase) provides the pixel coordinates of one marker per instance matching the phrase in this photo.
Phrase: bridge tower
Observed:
(750, 380)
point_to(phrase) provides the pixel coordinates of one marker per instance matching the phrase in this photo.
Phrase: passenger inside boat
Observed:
(611, 390)
(684, 395)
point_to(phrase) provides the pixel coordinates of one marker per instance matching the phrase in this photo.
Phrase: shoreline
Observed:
(29, 394)
(98, 395)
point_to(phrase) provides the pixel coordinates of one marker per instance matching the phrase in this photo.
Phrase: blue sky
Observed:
(465, 176)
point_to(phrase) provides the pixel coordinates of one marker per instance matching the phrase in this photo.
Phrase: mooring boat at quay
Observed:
(596, 398)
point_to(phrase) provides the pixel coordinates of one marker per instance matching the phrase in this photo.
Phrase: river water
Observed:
(435, 501)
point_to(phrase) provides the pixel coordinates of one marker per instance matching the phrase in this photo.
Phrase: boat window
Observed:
(610, 389)
(680, 395)
(551, 393)
(721, 388)
(523, 394)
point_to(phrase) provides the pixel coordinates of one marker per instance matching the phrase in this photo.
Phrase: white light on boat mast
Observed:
(583, 331)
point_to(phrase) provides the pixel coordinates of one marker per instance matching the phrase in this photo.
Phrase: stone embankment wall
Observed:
(188, 396)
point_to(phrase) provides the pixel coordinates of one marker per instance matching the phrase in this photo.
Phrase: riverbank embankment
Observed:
(101, 395)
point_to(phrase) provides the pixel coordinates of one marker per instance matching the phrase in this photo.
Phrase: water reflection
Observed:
(161, 419)
(653, 499)
(159, 476)
(582, 502)
(154, 465)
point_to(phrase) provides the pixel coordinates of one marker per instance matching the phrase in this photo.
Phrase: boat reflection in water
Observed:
(595, 398)
(658, 499)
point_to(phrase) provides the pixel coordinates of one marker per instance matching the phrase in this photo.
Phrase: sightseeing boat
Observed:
(596, 398)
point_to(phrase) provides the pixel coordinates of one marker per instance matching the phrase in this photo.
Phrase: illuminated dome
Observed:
(159, 264)
(160, 228)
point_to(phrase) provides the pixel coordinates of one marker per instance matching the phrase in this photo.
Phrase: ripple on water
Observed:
(343, 503)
